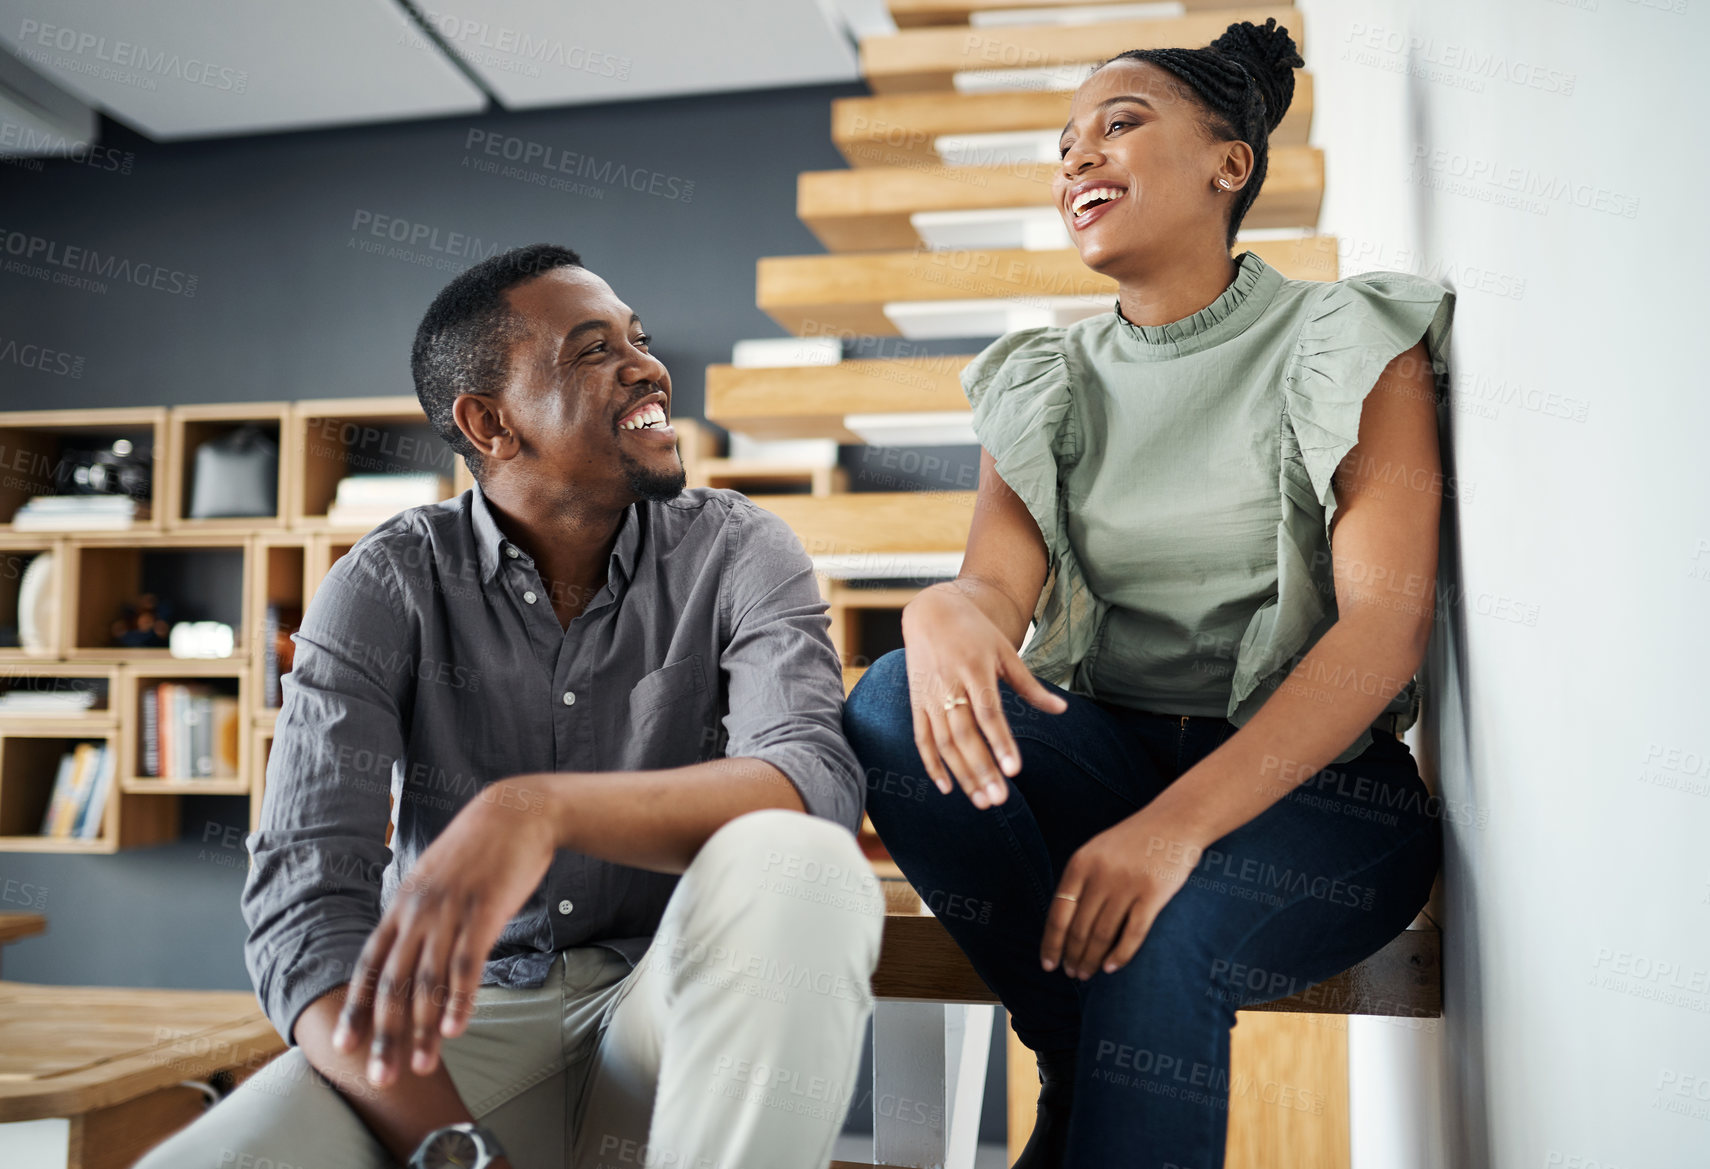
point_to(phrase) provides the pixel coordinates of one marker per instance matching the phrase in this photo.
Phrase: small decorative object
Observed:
(201, 639)
(38, 605)
(124, 468)
(237, 474)
(142, 623)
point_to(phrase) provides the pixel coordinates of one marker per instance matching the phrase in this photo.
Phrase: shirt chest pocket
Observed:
(670, 716)
(679, 684)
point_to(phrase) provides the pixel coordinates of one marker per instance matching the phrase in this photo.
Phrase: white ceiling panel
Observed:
(533, 53)
(37, 117)
(192, 68)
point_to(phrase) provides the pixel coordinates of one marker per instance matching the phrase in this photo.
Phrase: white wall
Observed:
(1547, 160)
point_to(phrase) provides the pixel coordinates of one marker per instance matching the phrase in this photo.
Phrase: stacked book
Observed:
(80, 792)
(366, 500)
(277, 650)
(82, 513)
(47, 703)
(189, 731)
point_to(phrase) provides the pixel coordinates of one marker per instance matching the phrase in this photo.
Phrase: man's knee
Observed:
(285, 1116)
(789, 866)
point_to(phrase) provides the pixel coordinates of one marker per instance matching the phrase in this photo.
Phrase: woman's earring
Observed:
(1224, 183)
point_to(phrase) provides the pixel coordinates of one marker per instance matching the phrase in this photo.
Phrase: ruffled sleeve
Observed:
(1356, 327)
(1022, 397)
(1359, 325)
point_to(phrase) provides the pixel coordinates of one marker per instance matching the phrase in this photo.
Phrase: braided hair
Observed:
(1245, 81)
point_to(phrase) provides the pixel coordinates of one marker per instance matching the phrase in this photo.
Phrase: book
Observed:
(224, 723)
(95, 805)
(67, 803)
(190, 730)
(151, 730)
(367, 500)
(277, 651)
(46, 702)
(60, 794)
(199, 723)
(79, 513)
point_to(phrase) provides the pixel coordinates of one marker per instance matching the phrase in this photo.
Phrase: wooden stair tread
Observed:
(928, 58)
(899, 129)
(920, 961)
(811, 295)
(876, 522)
(811, 401)
(66, 1050)
(868, 208)
(17, 926)
(916, 13)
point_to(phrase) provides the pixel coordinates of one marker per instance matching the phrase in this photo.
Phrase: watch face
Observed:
(450, 1149)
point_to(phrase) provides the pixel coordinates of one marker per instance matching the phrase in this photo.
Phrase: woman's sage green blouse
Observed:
(1181, 477)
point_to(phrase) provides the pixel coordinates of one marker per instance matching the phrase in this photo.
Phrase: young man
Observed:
(581, 680)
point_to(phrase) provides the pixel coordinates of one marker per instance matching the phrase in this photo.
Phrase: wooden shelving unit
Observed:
(226, 569)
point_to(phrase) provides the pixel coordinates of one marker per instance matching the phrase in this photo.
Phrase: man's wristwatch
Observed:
(457, 1146)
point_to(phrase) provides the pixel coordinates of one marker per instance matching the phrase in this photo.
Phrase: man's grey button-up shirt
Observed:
(423, 669)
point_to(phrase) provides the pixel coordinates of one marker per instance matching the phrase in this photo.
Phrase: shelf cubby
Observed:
(34, 445)
(29, 762)
(191, 426)
(335, 437)
(281, 574)
(226, 677)
(205, 575)
(52, 677)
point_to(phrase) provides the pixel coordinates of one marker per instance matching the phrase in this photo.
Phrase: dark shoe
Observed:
(1045, 1148)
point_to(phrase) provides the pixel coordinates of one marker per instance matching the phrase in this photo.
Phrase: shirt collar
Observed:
(490, 540)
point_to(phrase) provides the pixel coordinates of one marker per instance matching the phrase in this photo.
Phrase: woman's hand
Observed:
(1112, 890)
(422, 965)
(954, 650)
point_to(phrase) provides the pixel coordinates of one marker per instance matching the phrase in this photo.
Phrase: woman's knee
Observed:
(877, 708)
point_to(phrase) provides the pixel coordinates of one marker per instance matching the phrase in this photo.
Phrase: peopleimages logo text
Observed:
(123, 57)
(34, 249)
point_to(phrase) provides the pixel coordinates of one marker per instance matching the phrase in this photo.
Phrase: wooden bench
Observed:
(17, 926)
(932, 1027)
(92, 1077)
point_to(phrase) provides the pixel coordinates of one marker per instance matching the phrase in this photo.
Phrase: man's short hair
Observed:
(463, 345)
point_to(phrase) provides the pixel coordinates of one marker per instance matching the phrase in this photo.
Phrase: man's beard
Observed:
(653, 486)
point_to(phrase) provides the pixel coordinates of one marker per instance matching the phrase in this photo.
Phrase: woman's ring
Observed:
(952, 703)
(1066, 897)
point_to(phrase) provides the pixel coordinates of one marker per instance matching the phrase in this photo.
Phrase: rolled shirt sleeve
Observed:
(784, 683)
(312, 896)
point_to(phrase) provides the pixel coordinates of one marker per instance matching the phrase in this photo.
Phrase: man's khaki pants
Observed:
(732, 1044)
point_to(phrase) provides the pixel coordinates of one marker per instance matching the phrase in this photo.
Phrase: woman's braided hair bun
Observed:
(1269, 55)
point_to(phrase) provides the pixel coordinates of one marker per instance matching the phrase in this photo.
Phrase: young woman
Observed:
(1187, 795)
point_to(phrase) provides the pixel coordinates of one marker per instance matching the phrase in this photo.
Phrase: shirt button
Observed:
(511, 552)
(530, 597)
(565, 907)
(569, 698)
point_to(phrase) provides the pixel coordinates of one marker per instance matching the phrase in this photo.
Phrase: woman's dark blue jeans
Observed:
(1320, 880)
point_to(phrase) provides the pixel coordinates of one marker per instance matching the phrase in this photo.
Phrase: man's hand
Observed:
(1113, 889)
(418, 973)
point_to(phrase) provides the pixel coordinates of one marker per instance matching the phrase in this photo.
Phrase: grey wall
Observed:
(266, 290)
(1528, 154)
